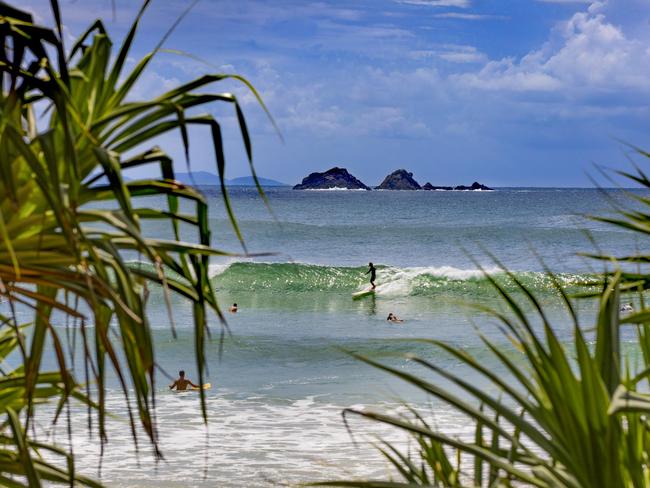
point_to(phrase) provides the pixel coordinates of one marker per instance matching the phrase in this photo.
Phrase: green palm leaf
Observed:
(58, 248)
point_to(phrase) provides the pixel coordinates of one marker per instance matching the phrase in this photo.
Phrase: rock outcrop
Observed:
(339, 178)
(331, 179)
(429, 186)
(399, 180)
(475, 186)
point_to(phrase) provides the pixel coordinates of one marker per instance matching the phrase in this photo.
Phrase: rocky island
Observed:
(340, 179)
(429, 186)
(476, 186)
(335, 178)
(399, 180)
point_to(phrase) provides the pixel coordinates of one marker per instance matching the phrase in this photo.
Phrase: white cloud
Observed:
(584, 54)
(462, 57)
(152, 84)
(455, 53)
(251, 11)
(372, 102)
(507, 75)
(437, 3)
(466, 16)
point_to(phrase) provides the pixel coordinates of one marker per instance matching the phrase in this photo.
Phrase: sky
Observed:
(507, 92)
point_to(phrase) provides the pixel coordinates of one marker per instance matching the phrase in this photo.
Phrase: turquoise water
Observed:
(284, 375)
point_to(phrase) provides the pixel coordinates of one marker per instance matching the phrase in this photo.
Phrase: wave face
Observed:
(391, 281)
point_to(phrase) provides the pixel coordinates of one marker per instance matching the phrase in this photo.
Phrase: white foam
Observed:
(400, 281)
(248, 442)
(457, 273)
(217, 269)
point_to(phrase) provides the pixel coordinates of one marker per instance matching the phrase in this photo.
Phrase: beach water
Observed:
(285, 374)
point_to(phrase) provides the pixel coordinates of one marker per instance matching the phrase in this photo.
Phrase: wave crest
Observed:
(391, 281)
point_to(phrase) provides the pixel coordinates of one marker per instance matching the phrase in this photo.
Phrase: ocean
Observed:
(285, 374)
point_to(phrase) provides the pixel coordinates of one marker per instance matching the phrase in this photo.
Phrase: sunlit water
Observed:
(285, 374)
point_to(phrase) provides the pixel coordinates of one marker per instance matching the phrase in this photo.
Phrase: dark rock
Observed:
(399, 180)
(429, 186)
(475, 186)
(332, 178)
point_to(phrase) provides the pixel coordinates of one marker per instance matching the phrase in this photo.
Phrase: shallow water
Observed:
(286, 372)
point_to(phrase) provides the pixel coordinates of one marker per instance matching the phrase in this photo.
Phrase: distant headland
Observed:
(340, 179)
(205, 178)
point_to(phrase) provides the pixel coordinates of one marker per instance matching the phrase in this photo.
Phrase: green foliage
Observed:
(21, 457)
(68, 129)
(570, 415)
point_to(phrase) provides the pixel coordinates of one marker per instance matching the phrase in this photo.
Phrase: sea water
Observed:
(286, 373)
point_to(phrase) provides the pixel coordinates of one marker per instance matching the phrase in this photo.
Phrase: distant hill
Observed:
(198, 177)
(248, 181)
(207, 178)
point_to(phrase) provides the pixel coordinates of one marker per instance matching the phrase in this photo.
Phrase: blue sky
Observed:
(509, 93)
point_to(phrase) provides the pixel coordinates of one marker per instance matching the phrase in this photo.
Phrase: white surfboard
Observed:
(363, 293)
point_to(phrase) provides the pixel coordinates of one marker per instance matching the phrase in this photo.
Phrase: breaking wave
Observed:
(391, 281)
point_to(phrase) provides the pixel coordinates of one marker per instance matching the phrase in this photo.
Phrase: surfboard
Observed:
(206, 386)
(363, 293)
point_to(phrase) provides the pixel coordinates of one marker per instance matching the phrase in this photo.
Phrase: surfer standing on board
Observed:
(373, 274)
(181, 383)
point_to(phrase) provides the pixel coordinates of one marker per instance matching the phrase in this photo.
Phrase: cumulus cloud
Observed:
(372, 103)
(585, 53)
(586, 68)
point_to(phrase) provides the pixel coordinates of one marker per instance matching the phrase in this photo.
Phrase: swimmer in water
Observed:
(393, 318)
(181, 383)
(233, 309)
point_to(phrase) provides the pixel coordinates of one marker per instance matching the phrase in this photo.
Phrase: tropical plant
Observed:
(69, 127)
(565, 414)
(20, 456)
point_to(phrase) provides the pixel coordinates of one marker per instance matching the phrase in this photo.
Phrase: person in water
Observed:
(233, 309)
(393, 318)
(373, 274)
(181, 383)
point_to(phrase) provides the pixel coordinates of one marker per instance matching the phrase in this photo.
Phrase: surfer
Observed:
(181, 383)
(233, 309)
(393, 318)
(373, 274)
